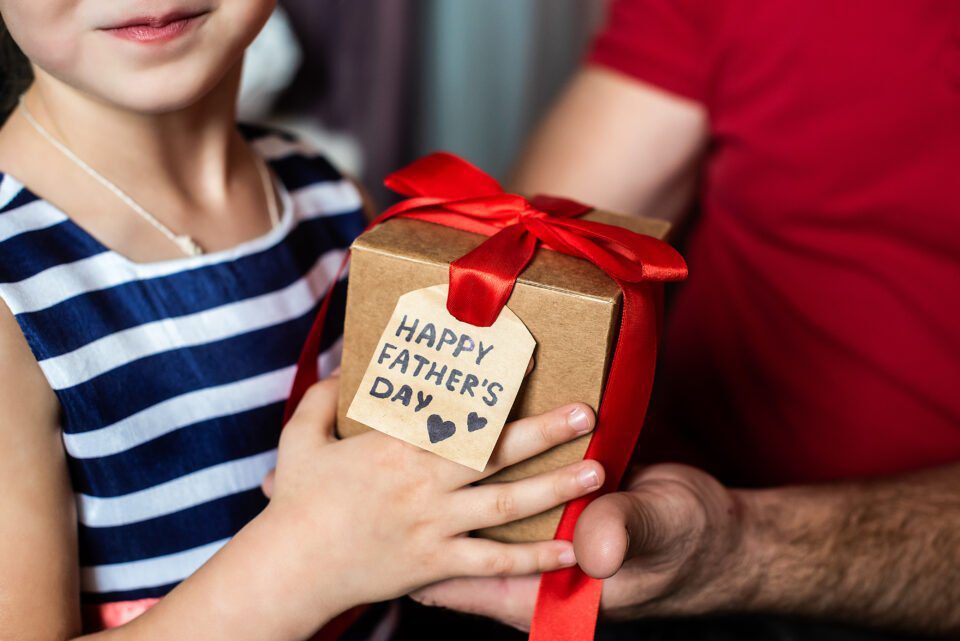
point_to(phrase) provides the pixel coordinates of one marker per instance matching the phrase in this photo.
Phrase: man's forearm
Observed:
(879, 553)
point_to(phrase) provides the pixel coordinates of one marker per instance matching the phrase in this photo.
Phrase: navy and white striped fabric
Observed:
(172, 375)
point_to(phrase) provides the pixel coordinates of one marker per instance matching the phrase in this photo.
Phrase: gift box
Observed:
(571, 308)
(543, 286)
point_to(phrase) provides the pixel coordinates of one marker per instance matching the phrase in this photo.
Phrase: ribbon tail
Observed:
(308, 367)
(482, 281)
(568, 602)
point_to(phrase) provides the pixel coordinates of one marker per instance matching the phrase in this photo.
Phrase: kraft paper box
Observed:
(571, 308)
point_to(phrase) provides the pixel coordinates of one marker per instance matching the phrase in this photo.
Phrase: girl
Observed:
(159, 269)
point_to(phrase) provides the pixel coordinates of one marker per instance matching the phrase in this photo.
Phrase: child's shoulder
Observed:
(290, 153)
(312, 180)
(299, 164)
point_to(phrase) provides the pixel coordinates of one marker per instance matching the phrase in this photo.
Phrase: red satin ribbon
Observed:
(446, 190)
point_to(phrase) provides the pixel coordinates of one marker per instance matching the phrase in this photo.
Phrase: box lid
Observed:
(435, 244)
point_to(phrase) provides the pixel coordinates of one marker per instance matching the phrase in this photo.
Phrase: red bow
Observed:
(449, 191)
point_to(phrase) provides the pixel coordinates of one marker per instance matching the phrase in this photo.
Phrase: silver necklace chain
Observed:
(184, 242)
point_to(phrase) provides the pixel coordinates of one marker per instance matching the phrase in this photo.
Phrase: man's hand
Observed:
(882, 553)
(668, 544)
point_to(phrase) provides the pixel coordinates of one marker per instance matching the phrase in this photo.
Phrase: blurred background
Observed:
(376, 83)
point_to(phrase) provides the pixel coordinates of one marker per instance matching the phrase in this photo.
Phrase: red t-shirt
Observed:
(818, 336)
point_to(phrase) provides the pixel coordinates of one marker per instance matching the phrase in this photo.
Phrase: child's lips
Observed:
(155, 29)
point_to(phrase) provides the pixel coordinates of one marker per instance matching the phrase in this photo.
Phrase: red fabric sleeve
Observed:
(662, 42)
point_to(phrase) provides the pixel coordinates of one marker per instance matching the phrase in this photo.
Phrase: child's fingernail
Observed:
(567, 557)
(579, 420)
(588, 478)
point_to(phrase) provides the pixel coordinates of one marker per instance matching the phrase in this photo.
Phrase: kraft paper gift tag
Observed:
(441, 384)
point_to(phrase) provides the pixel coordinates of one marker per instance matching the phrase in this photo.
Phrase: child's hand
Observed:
(379, 518)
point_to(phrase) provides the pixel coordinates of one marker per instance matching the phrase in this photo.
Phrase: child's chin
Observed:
(157, 96)
(158, 106)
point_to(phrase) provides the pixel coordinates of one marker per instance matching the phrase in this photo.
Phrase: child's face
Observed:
(150, 56)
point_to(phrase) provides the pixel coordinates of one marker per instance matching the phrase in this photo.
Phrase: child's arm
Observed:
(364, 519)
(38, 556)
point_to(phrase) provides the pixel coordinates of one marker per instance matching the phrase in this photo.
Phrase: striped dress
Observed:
(172, 376)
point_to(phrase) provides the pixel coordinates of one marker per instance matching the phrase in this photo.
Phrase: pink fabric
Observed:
(112, 615)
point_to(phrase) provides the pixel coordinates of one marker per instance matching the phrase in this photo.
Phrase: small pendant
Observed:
(189, 246)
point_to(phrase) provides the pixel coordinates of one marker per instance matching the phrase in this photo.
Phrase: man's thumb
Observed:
(613, 529)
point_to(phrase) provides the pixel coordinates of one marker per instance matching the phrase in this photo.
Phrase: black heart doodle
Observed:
(475, 422)
(439, 429)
